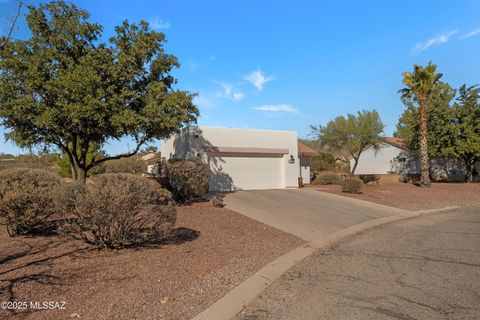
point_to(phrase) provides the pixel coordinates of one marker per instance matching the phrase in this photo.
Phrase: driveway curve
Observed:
(307, 213)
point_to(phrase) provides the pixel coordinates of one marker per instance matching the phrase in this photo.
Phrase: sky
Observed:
(286, 65)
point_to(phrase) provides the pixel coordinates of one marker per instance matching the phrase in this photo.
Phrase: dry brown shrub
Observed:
(118, 210)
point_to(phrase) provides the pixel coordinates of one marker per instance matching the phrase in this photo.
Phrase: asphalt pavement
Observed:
(421, 268)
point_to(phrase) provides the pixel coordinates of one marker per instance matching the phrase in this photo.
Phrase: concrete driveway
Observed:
(306, 213)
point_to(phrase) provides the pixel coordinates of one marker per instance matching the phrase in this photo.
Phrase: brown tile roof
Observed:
(396, 142)
(306, 151)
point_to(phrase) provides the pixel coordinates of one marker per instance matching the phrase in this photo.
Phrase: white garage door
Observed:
(240, 172)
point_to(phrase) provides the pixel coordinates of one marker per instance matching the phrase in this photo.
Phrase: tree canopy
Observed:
(440, 135)
(65, 87)
(453, 126)
(347, 137)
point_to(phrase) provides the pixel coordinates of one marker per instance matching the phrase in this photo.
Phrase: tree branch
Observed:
(123, 155)
(12, 25)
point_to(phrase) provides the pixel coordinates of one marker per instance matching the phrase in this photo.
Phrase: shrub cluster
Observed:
(26, 199)
(186, 179)
(118, 210)
(327, 179)
(352, 185)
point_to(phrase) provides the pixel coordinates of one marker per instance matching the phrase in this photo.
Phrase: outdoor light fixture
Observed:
(291, 160)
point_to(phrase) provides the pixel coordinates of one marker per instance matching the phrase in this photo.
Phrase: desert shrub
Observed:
(186, 179)
(26, 199)
(126, 165)
(369, 178)
(352, 185)
(118, 210)
(327, 179)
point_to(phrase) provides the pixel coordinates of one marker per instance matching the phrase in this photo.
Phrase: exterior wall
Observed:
(385, 160)
(305, 169)
(193, 142)
(442, 169)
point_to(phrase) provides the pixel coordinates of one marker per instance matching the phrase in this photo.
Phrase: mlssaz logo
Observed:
(47, 305)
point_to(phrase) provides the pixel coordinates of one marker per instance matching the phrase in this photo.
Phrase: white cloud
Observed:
(157, 24)
(258, 79)
(229, 92)
(278, 108)
(470, 34)
(204, 102)
(435, 41)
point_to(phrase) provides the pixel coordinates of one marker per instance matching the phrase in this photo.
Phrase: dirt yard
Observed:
(213, 251)
(410, 197)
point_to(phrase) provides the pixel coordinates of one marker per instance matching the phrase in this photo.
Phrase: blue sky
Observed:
(289, 64)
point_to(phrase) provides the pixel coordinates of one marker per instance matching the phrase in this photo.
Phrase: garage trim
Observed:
(245, 150)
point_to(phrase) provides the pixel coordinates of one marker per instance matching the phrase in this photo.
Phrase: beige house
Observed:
(388, 158)
(241, 159)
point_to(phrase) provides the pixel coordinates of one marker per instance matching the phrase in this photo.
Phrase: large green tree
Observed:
(419, 86)
(467, 128)
(441, 137)
(453, 129)
(347, 137)
(65, 87)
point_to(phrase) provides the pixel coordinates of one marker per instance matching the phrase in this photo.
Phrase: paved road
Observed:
(306, 213)
(421, 268)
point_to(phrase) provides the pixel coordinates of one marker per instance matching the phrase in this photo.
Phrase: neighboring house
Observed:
(240, 158)
(152, 159)
(388, 158)
(305, 153)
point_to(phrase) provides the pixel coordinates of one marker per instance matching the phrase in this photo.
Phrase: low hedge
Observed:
(327, 179)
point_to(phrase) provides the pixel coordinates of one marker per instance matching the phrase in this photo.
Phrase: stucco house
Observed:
(151, 159)
(388, 158)
(391, 158)
(241, 159)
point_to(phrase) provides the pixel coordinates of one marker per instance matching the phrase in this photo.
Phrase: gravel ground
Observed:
(410, 197)
(214, 251)
(426, 268)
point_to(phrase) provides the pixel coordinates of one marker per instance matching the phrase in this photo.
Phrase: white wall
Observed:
(305, 169)
(191, 143)
(382, 161)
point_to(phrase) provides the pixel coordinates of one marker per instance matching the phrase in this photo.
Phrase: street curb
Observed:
(236, 300)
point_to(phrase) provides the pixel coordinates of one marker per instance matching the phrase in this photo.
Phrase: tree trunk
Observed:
(469, 169)
(424, 165)
(73, 171)
(352, 172)
(82, 174)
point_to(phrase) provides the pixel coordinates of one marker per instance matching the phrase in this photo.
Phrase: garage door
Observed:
(241, 172)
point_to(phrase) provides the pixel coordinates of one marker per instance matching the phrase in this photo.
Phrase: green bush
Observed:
(323, 162)
(26, 199)
(186, 179)
(327, 179)
(118, 210)
(352, 185)
(126, 165)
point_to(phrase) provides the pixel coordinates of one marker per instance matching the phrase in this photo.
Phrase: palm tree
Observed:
(419, 86)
